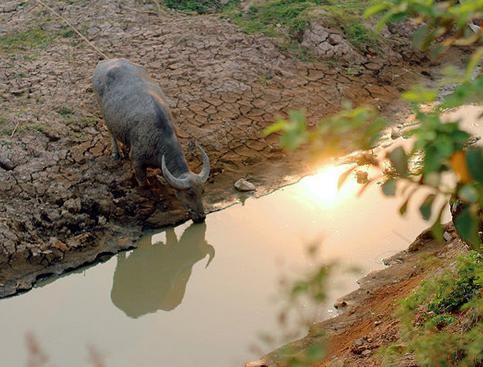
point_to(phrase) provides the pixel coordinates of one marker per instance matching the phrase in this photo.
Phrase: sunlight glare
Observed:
(322, 186)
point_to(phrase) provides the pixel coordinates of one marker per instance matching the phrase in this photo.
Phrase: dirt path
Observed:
(63, 201)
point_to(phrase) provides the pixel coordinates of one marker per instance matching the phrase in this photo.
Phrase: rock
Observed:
(256, 364)
(395, 134)
(366, 353)
(6, 163)
(340, 304)
(329, 43)
(58, 244)
(244, 185)
(73, 205)
(447, 236)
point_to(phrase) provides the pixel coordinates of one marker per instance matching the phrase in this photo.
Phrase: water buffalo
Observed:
(137, 115)
(154, 276)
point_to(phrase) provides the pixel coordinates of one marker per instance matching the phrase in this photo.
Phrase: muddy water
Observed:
(167, 304)
(198, 295)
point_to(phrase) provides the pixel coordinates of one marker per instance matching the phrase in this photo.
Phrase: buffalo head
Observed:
(190, 186)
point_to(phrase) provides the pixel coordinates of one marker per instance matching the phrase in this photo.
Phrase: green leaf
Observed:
(437, 228)
(466, 224)
(445, 146)
(365, 186)
(474, 162)
(426, 207)
(399, 161)
(274, 128)
(432, 179)
(404, 207)
(375, 9)
(343, 177)
(420, 95)
(432, 159)
(468, 193)
(473, 63)
(389, 187)
(315, 353)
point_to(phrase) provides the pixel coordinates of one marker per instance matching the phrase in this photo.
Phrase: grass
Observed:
(195, 6)
(360, 36)
(65, 111)
(32, 39)
(70, 118)
(286, 20)
(26, 40)
(442, 320)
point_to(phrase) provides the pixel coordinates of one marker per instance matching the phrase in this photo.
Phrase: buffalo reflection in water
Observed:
(154, 276)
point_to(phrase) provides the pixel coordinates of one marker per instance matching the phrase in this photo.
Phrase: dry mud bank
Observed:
(368, 320)
(64, 201)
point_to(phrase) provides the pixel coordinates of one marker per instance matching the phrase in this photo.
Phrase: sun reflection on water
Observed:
(322, 186)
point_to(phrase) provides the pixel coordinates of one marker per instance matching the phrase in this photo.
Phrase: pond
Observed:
(201, 294)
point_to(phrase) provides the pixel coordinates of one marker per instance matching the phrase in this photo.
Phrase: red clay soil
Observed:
(368, 318)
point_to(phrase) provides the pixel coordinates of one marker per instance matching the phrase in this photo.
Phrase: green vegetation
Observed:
(360, 36)
(65, 111)
(276, 18)
(41, 128)
(26, 40)
(70, 118)
(286, 20)
(441, 321)
(196, 6)
(34, 38)
(3, 129)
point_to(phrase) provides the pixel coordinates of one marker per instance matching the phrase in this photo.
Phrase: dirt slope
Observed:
(63, 201)
(367, 320)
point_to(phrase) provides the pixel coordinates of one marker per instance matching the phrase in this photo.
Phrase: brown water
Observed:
(198, 295)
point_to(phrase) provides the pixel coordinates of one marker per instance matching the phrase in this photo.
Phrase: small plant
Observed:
(65, 111)
(430, 315)
(196, 6)
(360, 36)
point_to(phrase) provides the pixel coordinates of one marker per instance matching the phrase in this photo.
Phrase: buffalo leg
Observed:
(115, 149)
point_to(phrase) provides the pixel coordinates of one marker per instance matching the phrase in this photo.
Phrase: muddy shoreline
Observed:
(367, 318)
(64, 202)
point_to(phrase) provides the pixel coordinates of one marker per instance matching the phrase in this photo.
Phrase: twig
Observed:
(73, 28)
(15, 129)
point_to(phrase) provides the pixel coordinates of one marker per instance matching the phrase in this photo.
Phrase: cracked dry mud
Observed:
(65, 202)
